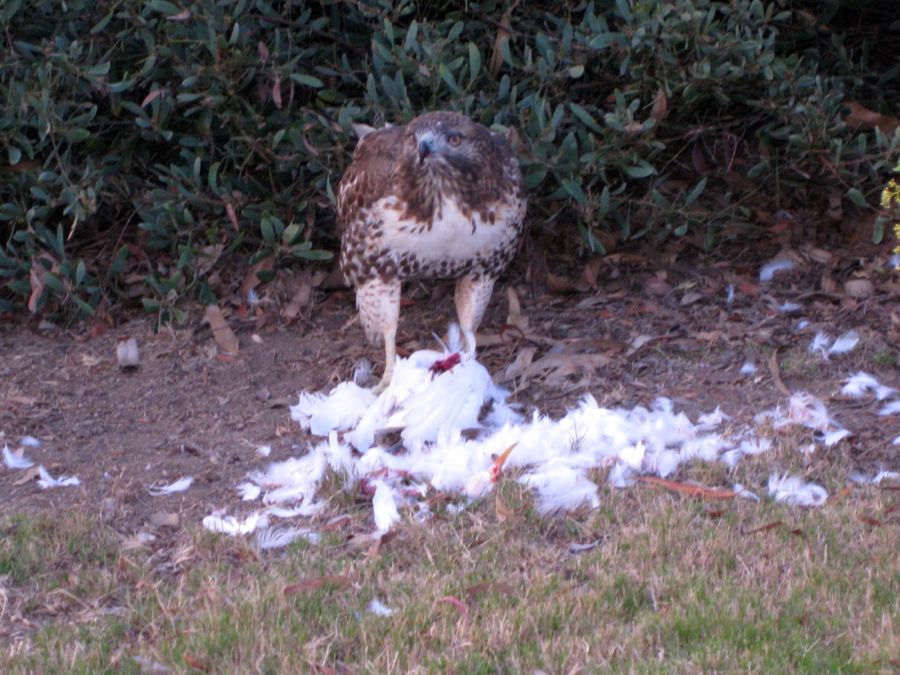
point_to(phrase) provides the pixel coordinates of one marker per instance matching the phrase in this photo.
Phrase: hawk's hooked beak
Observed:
(426, 146)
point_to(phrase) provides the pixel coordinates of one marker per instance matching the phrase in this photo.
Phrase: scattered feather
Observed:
(384, 506)
(861, 383)
(892, 408)
(802, 324)
(820, 344)
(789, 307)
(264, 450)
(834, 437)
(745, 493)
(233, 526)
(279, 537)
(16, 460)
(845, 343)
(769, 270)
(249, 491)
(749, 368)
(30, 442)
(46, 481)
(379, 608)
(729, 294)
(179, 485)
(863, 479)
(793, 490)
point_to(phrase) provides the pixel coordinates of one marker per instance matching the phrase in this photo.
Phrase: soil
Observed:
(626, 328)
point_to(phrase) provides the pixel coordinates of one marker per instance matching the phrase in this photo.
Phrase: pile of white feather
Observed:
(443, 425)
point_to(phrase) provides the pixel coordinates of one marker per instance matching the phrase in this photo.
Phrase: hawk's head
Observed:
(447, 142)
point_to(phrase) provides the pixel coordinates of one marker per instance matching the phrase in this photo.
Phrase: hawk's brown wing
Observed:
(369, 176)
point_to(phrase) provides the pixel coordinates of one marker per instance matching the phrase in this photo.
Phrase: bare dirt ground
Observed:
(627, 328)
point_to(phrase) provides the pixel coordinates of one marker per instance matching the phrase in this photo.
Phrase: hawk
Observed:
(438, 198)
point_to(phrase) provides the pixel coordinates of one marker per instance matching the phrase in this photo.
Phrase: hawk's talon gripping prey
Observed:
(438, 198)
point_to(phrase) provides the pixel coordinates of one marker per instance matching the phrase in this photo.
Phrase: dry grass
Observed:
(673, 585)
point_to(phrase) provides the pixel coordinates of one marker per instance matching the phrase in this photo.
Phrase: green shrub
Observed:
(161, 141)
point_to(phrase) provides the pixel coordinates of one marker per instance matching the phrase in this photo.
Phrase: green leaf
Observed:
(856, 197)
(80, 271)
(605, 40)
(574, 190)
(267, 229)
(640, 171)
(77, 135)
(163, 7)
(14, 154)
(448, 78)
(576, 71)
(585, 117)
(696, 192)
(291, 232)
(474, 62)
(307, 80)
(99, 70)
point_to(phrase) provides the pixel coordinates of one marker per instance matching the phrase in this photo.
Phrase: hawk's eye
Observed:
(454, 140)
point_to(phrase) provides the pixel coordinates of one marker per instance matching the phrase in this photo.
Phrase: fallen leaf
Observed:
(488, 588)
(162, 519)
(857, 116)
(252, 279)
(28, 475)
(521, 363)
(224, 336)
(302, 294)
(869, 520)
(456, 602)
(503, 512)
(196, 663)
(515, 318)
(859, 288)
(689, 489)
(764, 528)
(335, 581)
(660, 108)
(776, 373)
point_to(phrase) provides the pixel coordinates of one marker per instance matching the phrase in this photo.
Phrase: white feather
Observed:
(561, 487)
(745, 493)
(179, 485)
(769, 270)
(30, 442)
(833, 437)
(249, 491)
(233, 526)
(338, 411)
(793, 490)
(379, 608)
(15, 460)
(729, 294)
(46, 481)
(861, 383)
(789, 307)
(384, 506)
(845, 343)
(820, 344)
(279, 537)
(862, 479)
(749, 368)
(892, 408)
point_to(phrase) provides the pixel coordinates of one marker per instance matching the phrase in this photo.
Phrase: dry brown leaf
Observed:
(502, 511)
(859, 288)
(27, 476)
(252, 280)
(660, 108)
(456, 602)
(859, 117)
(164, 519)
(523, 360)
(772, 362)
(21, 400)
(495, 587)
(515, 318)
(224, 336)
(558, 284)
(689, 489)
(504, 31)
(764, 528)
(559, 366)
(315, 583)
(196, 663)
(302, 294)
